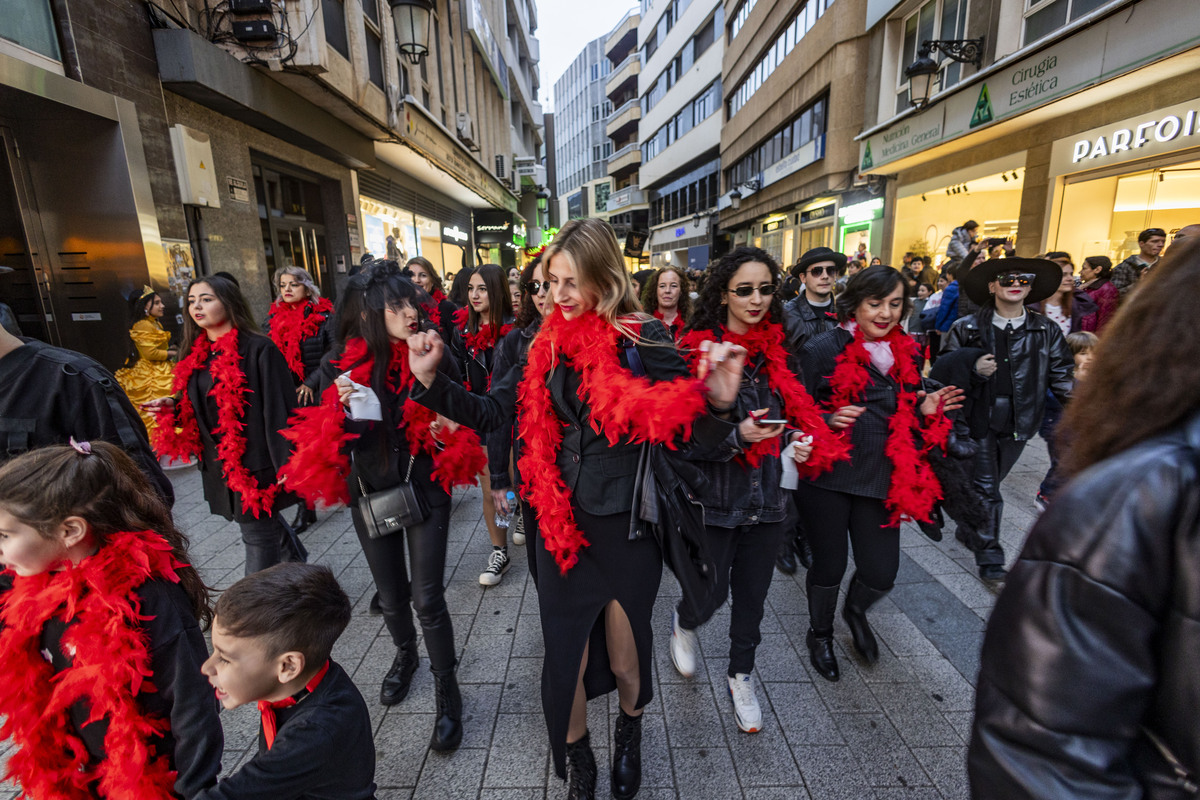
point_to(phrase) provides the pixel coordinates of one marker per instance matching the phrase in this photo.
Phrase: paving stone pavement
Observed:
(895, 730)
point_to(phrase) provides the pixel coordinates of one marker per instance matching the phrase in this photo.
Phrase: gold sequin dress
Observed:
(151, 376)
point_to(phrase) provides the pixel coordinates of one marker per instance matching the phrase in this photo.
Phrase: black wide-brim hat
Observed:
(1047, 278)
(816, 256)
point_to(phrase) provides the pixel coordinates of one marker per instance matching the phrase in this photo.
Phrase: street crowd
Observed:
(726, 424)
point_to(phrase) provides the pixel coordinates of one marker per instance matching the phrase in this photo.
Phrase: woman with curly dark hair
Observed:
(1088, 681)
(745, 511)
(666, 296)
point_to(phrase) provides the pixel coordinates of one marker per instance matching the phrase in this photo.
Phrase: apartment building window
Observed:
(374, 41)
(692, 50)
(333, 13)
(935, 19)
(740, 16)
(30, 24)
(691, 115)
(435, 45)
(784, 43)
(1043, 17)
(809, 124)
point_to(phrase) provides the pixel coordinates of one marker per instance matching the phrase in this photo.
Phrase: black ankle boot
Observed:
(399, 677)
(804, 553)
(447, 726)
(581, 770)
(822, 604)
(627, 757)
(860, 597)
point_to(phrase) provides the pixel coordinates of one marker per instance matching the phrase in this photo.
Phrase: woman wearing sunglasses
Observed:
(583, 411)
(666, 297)
(512, 351)
(1026, 355)
(745, 511)
(867, 373)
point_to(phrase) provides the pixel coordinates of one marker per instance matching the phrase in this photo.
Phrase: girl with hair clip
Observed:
(866, 373)
(340, 458)
(438, 308)
(745, 512)
(100, 642)
(298, 325)
(583, 417)
(481, 325)
(666, 297)
(148, 370)
(233, 395)
(513, 351)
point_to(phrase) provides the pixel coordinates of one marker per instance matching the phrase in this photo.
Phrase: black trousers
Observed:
(264, 541)
(424, 590)
(995, 458)
(745, 558)
(829, 516)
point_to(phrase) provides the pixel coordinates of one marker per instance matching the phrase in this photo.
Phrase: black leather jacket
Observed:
(512, 351)
(1040, 357)
(1096, 637)
(802, 321)
(600, 474)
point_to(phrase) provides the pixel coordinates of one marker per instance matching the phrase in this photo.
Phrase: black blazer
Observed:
(600, 474)
(512, 352)
(868, 473)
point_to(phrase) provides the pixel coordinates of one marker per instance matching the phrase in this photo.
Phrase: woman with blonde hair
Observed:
(600, 379)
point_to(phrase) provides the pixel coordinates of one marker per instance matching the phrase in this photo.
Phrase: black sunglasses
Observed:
(819, 271)
(766, 290)
(1015, 279)
(535, 287)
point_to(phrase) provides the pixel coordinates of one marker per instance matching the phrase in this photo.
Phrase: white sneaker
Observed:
(518, 526)
(684, 645)
(497, 566)
(745, 703)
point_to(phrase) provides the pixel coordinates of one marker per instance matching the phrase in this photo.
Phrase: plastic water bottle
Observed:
(502, 520)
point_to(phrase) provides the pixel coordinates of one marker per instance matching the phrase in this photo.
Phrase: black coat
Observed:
(476, 365)
(312, 349)
(1097, 636)
(270, 400)
(512, 351)
(1041, 361)
(49, 394)
(599, 474)
(802, 321)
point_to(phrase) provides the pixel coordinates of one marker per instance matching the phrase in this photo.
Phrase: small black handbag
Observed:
(390, 510)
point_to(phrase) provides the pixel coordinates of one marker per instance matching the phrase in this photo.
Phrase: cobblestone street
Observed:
(895, 730)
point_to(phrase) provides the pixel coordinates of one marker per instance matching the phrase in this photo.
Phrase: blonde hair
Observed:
(301, 273)
(590, 246)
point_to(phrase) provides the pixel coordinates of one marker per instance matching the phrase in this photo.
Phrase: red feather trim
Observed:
(229, 391)
(676, 327)
(434, 310)
(766, 339)
(292, 323)
(320, 466)
(915, 489)
(110, 667)
(621, 407)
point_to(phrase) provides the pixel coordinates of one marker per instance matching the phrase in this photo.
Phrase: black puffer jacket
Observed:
(1041, 358)
(1096, 637)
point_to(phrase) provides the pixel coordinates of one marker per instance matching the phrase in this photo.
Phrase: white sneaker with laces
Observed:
(497, 566)
(684, 646)
(518, 526)
(745, 703)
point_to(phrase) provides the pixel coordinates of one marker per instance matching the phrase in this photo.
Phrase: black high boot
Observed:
(860, 597)
(581, 770)
(399, 677)
(822, 603)
(447, 726)
(627, 757)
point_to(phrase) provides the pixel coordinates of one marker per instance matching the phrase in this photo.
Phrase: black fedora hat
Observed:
(1047, 278)
(816, 256)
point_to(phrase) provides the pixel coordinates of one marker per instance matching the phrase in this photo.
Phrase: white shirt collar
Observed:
(1017, 322)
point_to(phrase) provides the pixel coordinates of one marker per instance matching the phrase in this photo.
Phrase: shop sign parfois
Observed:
(1169, 129)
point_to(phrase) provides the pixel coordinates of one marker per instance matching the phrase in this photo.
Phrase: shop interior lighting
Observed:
(923, 72)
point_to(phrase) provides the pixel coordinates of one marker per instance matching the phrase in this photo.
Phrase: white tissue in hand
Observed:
(364, 404)
(791, 474)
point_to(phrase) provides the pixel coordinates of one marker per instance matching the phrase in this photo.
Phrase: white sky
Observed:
(564, 27)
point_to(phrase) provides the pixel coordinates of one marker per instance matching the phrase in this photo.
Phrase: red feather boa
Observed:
(483, 339)
(110, 668)
(676, 327)
(620, 406)
(915, 489)
(766, 339)
(320, 465)
(292, 323)
(434, 310)
(229, 390)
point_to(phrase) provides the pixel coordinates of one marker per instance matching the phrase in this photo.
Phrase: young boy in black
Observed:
(272, 636)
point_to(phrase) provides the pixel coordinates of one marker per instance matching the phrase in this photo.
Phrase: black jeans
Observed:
(829, 516)
(997, 455)
(1049, 432)
(745, 558)
(399, 594)
(263, 538)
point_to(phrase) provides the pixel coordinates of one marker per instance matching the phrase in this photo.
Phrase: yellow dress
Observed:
(151, 376)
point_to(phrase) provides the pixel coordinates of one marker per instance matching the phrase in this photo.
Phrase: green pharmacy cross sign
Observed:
(983, 108)
(868, 162)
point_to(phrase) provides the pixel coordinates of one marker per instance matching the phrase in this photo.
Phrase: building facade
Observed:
(1079, 128)
(628, 209)
(680, 98)
(794, 75)
(581, 146)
